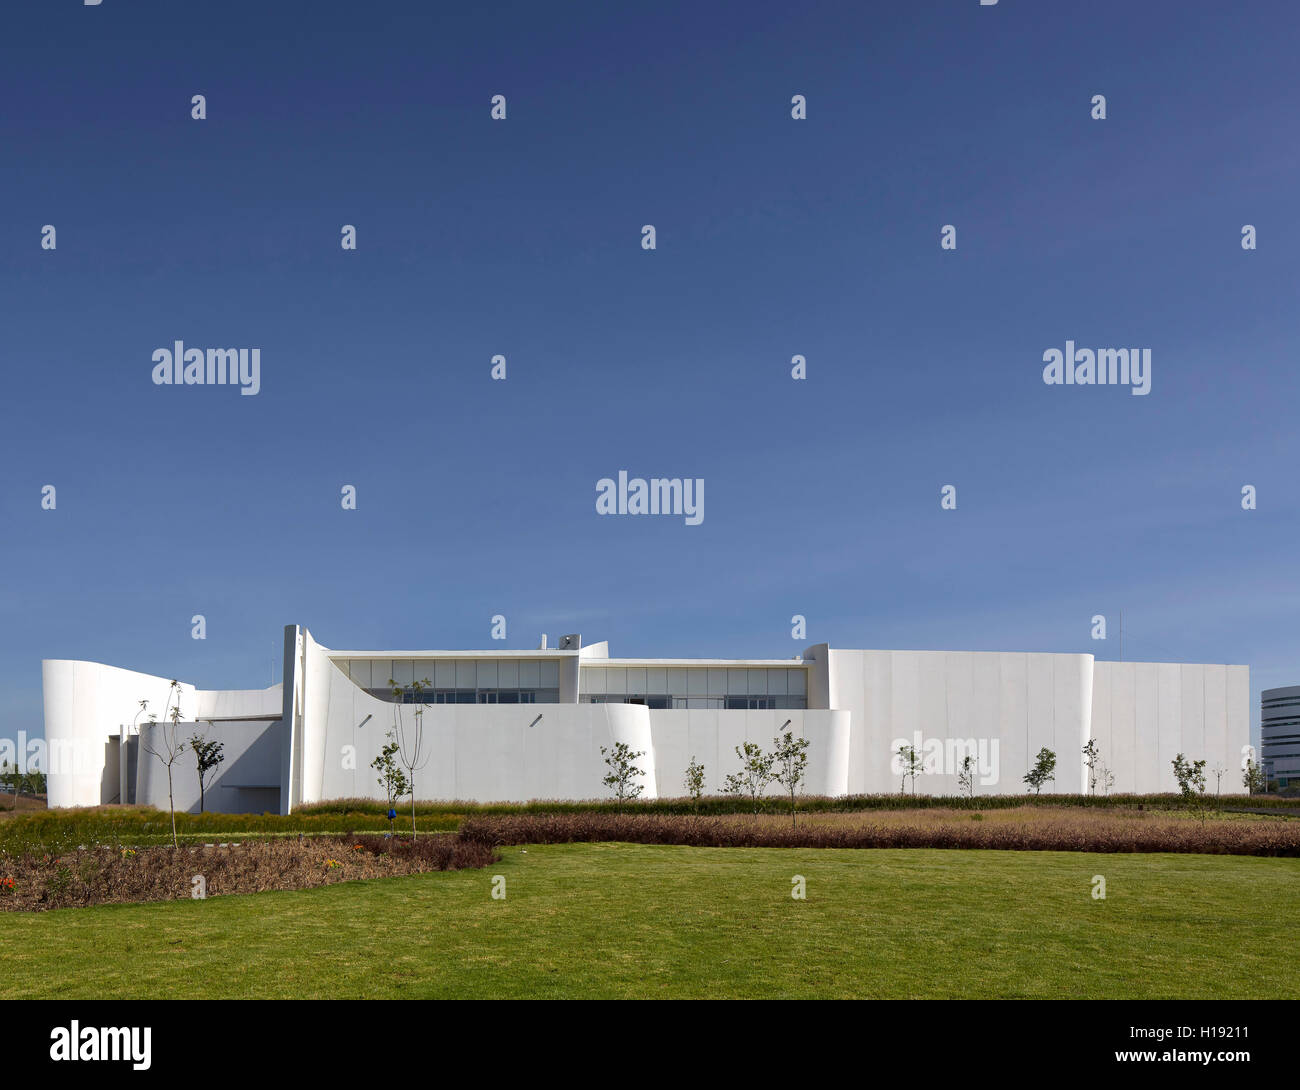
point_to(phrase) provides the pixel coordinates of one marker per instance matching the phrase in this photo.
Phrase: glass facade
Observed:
(458, 681)
(697, 687)
(537, 681)
(1279, 736)
(470, 696)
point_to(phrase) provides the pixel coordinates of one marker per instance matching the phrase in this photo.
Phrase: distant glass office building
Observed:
(1279, 735)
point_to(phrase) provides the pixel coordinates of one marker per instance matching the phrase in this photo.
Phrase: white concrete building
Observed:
(520, 725)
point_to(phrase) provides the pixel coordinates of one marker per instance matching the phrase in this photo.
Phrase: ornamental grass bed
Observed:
(114, 875)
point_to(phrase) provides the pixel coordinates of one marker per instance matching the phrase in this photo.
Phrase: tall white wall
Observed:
(711, 737)
(1010, 703)
(88, 703)
(503, 752)
(862, 706)
(484, 752)
(1145, 713)
(246, 781)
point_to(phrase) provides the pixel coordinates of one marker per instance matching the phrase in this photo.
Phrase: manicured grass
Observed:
(615, 920)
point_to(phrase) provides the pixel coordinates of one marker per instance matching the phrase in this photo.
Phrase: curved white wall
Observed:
(863, 705)
(504, 752)
(485, 752)
(88, 703)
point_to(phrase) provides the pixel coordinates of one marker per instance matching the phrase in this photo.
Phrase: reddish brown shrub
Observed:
(1084, 831)
(107, 876)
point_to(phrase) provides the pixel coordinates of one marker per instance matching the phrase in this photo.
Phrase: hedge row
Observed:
(129, 876)
(132, 827)
(67, 830)
(1078, 832)
(775, 804)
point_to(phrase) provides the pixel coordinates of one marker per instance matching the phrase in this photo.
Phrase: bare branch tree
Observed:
(410, 743)
(165, 744)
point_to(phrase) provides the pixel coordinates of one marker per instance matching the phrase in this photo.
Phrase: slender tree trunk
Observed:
(171, 803)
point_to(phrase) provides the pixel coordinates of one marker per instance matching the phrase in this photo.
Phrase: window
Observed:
(739, 688)
(471, 696)
(748, 703)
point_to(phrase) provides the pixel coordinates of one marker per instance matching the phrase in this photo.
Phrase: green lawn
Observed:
(613, 920)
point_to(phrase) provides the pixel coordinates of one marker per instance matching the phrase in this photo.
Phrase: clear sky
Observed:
(523, 237)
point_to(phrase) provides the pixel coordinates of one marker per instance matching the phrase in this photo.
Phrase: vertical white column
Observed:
(122, 749)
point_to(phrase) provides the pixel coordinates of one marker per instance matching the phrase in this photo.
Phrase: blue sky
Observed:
(522, 237)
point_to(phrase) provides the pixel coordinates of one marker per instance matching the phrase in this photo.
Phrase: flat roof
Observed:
(549, 652)
(734, 663)
(755, 664)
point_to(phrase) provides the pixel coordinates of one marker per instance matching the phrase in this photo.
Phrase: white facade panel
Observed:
(1117, 759)
(1014, 757)
(1000, 709)
(1169, 709)
(1191, 740)
(1141, 774)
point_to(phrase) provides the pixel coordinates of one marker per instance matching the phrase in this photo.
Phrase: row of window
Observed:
(693, 703)
(552, 696)
(678, 683)
(472, 696)
(457, 674)
(695, 681)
